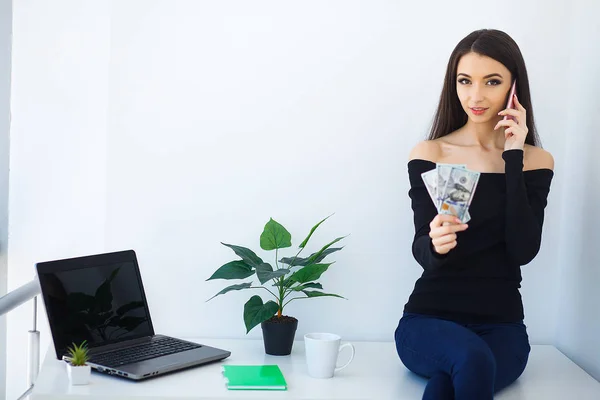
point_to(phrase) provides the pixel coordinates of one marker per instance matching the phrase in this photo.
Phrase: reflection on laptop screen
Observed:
(100, 304)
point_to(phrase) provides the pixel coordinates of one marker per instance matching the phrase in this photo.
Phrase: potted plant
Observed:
(291, 279)
(77, 369)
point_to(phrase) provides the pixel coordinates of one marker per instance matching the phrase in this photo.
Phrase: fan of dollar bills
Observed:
(451, 188)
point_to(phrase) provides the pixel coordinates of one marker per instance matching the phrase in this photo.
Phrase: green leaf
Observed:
(78, 354)
(318, 254)
(287, 282)
(265, 272)
(309, 273)
(314, 293)
(247, 255)
(299, 261)
(233, 270)
(256, 312)
(315, 285)
(240, 286)
(314, 228)
(275, 236)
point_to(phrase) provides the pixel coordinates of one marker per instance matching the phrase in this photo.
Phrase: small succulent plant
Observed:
(78, 354)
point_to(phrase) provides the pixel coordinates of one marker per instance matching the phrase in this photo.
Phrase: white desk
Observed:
(376, 373)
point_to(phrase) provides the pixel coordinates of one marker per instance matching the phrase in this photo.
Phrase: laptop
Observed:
(100, 299)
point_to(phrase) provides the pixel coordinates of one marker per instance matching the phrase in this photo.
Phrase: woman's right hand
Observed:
(443, 230)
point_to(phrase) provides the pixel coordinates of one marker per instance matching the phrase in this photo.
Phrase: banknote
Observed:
(431, 180)
(466, 218)
(443, 173)
(459, 191)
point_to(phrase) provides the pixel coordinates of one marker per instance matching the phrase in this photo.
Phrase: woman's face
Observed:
(482, 84)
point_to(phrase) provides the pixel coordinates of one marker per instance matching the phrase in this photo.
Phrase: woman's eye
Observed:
(463, 81)
(494, 82)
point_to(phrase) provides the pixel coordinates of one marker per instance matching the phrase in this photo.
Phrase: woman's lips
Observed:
(478, 110)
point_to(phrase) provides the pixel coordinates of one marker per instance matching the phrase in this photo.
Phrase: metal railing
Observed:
(12, 300)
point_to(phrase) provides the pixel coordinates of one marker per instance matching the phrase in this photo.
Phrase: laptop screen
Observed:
(100, 303)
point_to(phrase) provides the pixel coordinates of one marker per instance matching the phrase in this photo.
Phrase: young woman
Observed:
(462, 326)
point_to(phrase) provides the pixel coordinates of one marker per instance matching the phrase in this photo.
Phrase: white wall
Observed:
(578, 323)
(169, 127)
(237, 113)
(58, 147)
(5, 50)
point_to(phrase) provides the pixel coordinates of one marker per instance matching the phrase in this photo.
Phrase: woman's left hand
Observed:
(516, 132)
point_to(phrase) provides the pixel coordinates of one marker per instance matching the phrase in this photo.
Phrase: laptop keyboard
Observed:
(156, 347)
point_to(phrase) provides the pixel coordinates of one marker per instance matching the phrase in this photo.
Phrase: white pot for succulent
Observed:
(79, 375)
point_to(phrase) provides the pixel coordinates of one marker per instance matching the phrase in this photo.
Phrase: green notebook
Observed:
(254, 377)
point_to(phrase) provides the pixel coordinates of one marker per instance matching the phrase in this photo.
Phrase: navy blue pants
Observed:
(462, 361)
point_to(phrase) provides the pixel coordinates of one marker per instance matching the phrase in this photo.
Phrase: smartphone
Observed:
(510, 103)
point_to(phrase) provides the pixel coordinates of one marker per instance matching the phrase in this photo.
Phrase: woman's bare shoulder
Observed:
(429, 150)
(537, 158)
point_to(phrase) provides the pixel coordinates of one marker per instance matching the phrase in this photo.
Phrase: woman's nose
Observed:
(476, 93)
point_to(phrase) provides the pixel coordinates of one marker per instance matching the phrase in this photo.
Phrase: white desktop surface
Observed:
(375, 373)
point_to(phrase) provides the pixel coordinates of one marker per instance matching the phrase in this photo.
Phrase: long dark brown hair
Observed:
(501, 47)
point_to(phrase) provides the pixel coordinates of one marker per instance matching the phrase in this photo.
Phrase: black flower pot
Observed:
(278, 335)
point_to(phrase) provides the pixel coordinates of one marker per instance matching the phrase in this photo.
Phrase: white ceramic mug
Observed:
(322, 351)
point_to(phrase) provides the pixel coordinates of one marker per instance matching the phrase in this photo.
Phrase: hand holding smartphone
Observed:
(510, 103)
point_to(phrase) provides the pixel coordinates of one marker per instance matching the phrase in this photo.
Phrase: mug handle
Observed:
(351, 356)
